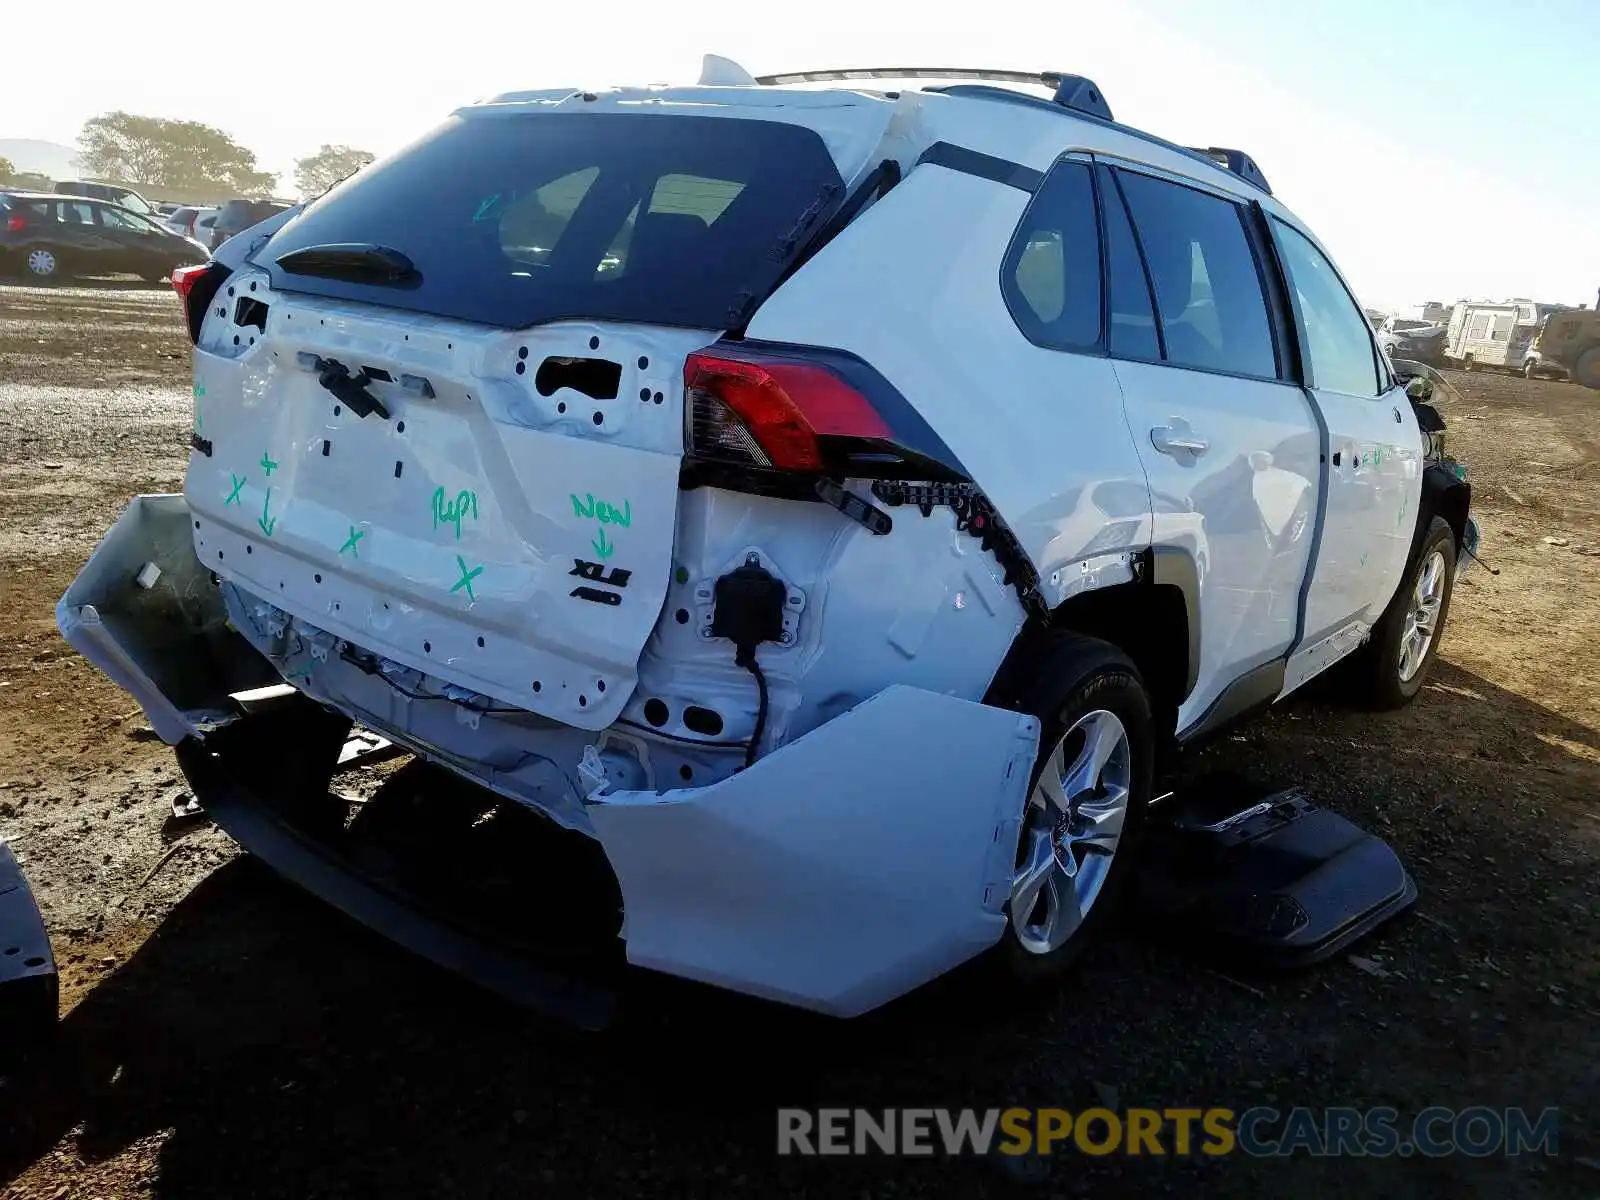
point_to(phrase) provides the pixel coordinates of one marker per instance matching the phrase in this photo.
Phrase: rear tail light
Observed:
(16, 223)
(196, 287)
(184, 278)
(770, 409)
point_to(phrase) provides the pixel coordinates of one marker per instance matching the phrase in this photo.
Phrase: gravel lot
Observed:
(226, 1036)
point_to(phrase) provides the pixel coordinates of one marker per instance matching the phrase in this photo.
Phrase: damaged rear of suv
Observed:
(561, 449)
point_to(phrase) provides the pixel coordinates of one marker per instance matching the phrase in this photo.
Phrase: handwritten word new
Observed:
(606, 514)
(453, 512)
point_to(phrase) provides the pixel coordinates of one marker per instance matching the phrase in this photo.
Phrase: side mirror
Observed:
(1420, 389)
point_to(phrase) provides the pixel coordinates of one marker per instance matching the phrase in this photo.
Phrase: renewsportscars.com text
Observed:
(1261, 1131)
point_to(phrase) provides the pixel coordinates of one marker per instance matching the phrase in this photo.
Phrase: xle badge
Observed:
(597, 573)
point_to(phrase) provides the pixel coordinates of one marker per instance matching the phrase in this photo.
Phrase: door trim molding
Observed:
(1256, 688)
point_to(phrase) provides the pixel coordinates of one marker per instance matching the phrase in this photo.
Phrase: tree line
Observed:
(158, 152)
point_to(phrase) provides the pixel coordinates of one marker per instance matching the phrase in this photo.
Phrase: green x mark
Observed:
(466, 577)
(267, 464)
(350, 542)
(238, 485)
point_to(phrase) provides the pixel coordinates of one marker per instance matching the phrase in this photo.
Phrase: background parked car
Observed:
(205, 228)
(235, 216)
(1418, 343)
(185, 222)
(123, 197)
(47, 236)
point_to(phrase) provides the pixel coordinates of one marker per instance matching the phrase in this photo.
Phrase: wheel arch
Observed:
(1444, 494)
(1154, 620)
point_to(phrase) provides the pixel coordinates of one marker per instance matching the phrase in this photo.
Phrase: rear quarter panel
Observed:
(913, 287)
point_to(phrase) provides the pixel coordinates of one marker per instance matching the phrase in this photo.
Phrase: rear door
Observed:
(127, 239)
(89, 246)
(509, 523)
(1374, 469)
(1229, 445)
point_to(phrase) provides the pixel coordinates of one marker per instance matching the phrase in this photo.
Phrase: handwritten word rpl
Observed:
(453, 512)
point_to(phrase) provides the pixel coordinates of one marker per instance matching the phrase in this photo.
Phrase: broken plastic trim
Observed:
(976, 516)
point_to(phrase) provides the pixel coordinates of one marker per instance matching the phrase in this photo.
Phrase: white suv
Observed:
(831, 501)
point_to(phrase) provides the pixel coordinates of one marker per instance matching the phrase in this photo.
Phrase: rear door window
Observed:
(513, 220)
(1133, 316)
(1051, 274)
(1206, 282)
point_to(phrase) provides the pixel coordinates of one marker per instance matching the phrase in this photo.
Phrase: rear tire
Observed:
(1586, 370)
(1087, 799)
(1391, 668)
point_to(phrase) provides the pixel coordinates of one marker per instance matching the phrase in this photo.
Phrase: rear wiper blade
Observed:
(357, 262)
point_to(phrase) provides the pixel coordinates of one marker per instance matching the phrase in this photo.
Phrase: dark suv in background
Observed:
(48, 236)
(238, 215)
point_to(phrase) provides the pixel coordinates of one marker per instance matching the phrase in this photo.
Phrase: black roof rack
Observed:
(1237, 161)
(1071, 91)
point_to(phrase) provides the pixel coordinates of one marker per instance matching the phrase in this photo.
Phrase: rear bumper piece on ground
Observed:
(28, 985)
(1267, 879)
(257, 825)
(147, 614)
(837, 873)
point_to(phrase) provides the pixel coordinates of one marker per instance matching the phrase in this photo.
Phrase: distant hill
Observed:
(48, 158)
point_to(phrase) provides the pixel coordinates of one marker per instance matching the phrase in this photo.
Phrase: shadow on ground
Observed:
(258, 1044)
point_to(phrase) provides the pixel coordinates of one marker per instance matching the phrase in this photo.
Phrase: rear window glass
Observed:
(514, 220)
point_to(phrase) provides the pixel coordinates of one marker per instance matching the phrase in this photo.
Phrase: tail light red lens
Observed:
(196, 287)
(773, 413)
(184, 278)
(16, 223)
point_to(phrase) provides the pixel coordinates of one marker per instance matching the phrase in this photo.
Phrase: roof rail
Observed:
(1237, 161)
(1071, 91)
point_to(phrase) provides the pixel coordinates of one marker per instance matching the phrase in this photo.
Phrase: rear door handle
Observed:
(1177, 439)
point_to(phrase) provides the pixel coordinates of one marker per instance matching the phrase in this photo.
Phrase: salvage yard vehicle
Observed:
(827, 503)
(1496, 336)
(47, 237)
(1567, 347)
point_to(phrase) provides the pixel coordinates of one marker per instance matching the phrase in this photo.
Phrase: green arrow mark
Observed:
(602, 546)
(268, 524)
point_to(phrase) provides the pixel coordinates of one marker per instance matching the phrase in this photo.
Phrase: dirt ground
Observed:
(224, 1035)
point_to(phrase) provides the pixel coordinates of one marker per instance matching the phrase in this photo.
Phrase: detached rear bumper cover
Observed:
(28, 987)
(837, 873)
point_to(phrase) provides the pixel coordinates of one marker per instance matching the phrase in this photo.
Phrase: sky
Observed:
(1440, 148)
